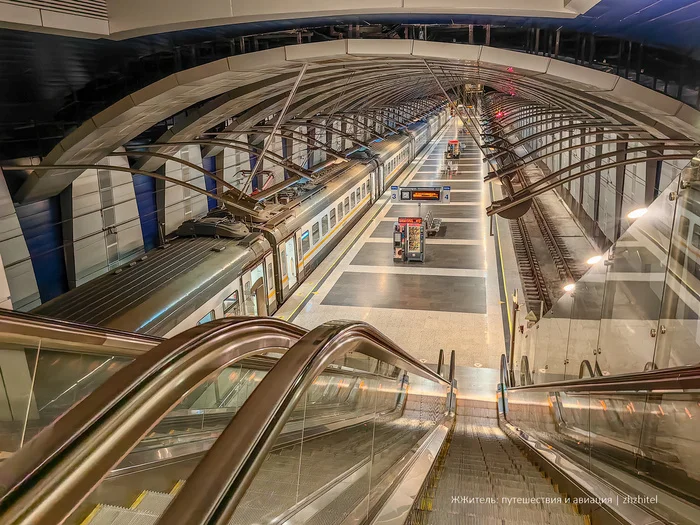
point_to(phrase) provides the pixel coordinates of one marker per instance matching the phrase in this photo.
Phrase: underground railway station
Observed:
(333, 263)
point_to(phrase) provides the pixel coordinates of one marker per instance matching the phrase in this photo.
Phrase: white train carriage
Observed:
(195, 280)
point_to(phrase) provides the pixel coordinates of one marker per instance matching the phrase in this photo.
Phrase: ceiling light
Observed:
(636, 214)
(569, 287)
(595, 259)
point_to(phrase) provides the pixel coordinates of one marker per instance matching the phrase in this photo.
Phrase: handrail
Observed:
(505, 375)
(676, 378)
(116, 342)
(43, 482)
(583, 367)
(441, 362)
(525, 375)
(220, 480)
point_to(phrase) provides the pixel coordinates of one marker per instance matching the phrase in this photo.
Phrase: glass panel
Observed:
(315, 235)
(209, 317)
(354, 428)
(305, 243)
(149, 476)
(17, 404)
(289, 251)
(679, 331)
(634, 287)
(585, 319)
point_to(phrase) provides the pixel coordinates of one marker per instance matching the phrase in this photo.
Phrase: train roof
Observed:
(155, 293)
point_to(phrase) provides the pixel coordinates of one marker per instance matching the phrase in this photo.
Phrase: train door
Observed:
(288, 265)
(270, 280)
(381, 179)
(373, 186)
(254, 295)
(300, 254)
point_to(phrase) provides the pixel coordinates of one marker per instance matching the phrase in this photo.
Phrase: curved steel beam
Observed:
(660, 145)
(234, 144)
(523, 196)
(133, 171)
(303, 137)
(206, 173)
(563, 115)
(618, 129)
(591, 123)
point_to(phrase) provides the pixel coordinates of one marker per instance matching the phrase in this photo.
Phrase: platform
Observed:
(451, 301)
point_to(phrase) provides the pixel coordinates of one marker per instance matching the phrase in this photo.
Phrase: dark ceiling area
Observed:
(50, 84)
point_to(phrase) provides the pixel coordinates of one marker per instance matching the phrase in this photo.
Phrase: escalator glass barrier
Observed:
(277, 462)
(637, 307)
(638, 433)
(46, 366)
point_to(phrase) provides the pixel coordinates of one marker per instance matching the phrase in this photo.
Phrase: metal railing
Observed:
(44, 481)
(220, 480)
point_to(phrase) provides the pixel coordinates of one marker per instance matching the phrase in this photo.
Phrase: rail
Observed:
(44, 481)
(24, 326)
(220, 480)
(678, 378)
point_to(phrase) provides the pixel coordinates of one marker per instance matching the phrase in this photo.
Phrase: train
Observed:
(217, 266)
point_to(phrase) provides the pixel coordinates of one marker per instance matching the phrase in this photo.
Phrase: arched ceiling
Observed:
(355, 76)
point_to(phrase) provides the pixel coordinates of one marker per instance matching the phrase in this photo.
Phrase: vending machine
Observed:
(409, 239)
(415, 240)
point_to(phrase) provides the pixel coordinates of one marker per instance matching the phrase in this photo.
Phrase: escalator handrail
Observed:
(221, 478)
(115, 342)
(46, 479)
(682, 377)
(585, 366)
(525, 375)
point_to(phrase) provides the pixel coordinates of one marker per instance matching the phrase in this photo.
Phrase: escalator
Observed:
(256, 421)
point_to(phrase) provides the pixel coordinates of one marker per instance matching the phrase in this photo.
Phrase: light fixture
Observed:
(636, 214)
(569, 287)
(595, 259)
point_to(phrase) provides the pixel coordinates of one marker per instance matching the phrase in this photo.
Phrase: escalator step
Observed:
(111, 515)
(154, 502)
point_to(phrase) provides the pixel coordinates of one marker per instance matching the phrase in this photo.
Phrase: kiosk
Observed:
(409, 239)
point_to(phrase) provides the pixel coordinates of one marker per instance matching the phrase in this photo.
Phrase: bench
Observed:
(432, 225)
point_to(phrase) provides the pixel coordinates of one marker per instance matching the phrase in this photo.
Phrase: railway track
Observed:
(534, 285)
(532, 278)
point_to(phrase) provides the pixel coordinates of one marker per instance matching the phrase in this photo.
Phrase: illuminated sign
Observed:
(423, 195)
(410, 220)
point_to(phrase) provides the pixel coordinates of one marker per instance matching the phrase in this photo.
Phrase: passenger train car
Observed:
(242, 270)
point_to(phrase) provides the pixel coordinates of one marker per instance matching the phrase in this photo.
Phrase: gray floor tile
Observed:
(469, 257)
(454, 230)
(452, 211)
(410, 292)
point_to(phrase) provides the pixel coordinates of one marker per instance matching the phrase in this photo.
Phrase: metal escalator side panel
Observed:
(46, 480)
(221, 479)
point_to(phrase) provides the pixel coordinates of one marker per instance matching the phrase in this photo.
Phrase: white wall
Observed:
(106, 229)
(182, 203)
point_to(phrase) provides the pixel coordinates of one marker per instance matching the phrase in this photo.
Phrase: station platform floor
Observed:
(451, 301)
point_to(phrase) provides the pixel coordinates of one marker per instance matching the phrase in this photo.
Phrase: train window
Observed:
(315, 236)
(347, 205)
(364, 190)
(305, 243)
(340, 211)
(231, 306)
(357, 193)
(332, 214)
(324, 225)
(209, 317)
(352, 200)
